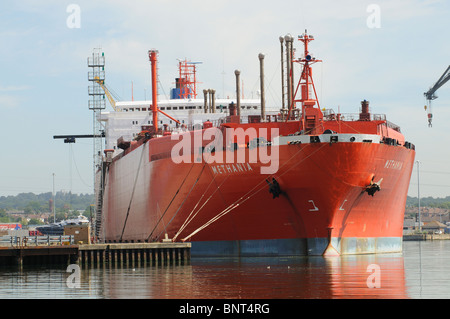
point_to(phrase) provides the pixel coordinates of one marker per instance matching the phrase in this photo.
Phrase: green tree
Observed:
(35, 221)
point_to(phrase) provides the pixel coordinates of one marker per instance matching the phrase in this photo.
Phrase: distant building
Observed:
(410, 225)
(435, 227)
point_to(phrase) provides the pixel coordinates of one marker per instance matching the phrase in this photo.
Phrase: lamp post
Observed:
(418, 195)
(53, 195)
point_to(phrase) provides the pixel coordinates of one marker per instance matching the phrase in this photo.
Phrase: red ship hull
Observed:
(227, 209)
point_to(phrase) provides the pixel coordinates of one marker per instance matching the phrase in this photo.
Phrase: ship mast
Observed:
(311, 116)
(187, 82)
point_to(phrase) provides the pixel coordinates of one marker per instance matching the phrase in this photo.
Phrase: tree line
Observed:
(39, 203)
(67, 206)
(429, 202)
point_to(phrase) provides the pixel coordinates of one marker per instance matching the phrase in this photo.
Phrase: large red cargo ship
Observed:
(306, 181)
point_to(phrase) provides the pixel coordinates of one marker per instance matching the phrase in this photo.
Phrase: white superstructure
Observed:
(130, 116)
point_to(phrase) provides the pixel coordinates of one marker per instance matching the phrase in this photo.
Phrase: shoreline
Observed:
(413, 237)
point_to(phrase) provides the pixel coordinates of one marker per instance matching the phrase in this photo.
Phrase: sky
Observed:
(387, 52)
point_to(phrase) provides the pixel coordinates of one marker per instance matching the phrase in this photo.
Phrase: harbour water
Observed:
(421, 271)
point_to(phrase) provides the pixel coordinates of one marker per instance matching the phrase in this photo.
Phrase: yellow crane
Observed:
(107, 93)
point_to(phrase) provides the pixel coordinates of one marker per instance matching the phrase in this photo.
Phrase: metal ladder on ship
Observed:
(99, 182)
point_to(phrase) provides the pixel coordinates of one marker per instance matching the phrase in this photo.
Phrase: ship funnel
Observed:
(282, 72)
(365, 114)
(205, 106)
(238, 93)
(263, 102)
(289, 69)
(213, 100)
(209, 102)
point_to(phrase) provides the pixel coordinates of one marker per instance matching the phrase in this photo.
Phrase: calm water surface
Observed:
(421, 271)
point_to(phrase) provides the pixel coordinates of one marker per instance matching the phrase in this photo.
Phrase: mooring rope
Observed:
(179, 208)
(243, 199)
(173, 198)
(191, 217)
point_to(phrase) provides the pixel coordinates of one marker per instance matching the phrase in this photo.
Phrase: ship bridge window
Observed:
(169, 108)
(163, 108)
(175, 108)
(131, 110)
(181, 107)
(255, 107)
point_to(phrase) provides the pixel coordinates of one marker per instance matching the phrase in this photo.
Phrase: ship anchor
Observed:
(373, 187)
(274, 187)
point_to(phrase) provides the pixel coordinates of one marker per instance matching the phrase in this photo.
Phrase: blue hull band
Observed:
(295, 247)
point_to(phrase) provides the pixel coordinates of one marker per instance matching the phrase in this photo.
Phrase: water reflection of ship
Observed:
(313, 277)
(345, 277)
(373, 277)
(58, 228)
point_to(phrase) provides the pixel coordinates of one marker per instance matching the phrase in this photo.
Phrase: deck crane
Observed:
(431, 96)
(107, 93)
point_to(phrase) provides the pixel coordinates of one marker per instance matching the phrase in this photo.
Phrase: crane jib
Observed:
(430, 93)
